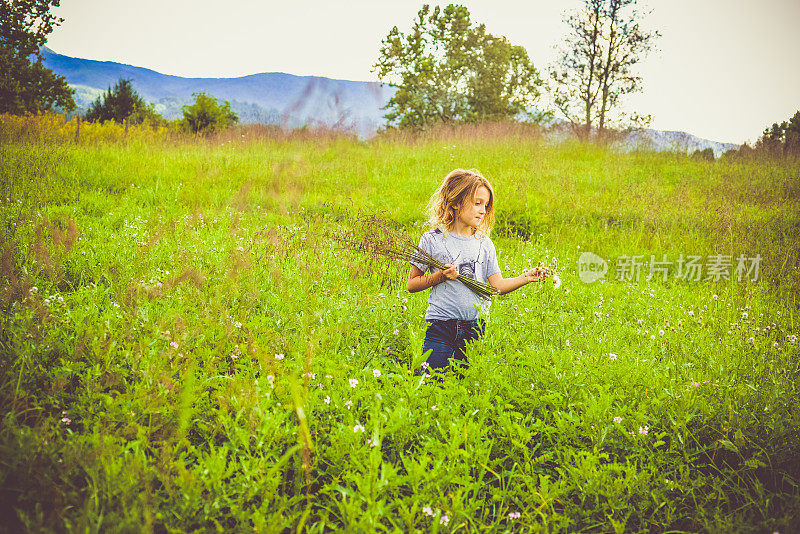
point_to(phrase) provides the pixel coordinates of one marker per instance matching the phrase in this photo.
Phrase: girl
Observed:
(461, 216)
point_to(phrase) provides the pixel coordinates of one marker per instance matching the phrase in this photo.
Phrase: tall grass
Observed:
(181, 345)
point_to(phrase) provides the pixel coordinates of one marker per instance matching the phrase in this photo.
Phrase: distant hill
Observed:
(675, 141)
(280, 98)
(647, 139)
(269, 98)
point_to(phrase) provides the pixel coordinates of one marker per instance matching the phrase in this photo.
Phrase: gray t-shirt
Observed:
(474, 257)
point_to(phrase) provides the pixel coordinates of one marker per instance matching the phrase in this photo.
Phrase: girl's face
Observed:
(471, 214)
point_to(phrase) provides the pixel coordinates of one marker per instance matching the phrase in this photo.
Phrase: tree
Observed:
(206, 114)
(783, 138)
(27, 86)
(122, 103)
(596, 65)
(705, 154)
(449, 70)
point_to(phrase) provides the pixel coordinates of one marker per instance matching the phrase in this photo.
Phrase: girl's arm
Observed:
(418, 281)
(507, 285)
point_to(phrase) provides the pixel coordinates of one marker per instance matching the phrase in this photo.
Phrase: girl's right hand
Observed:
(451, 273)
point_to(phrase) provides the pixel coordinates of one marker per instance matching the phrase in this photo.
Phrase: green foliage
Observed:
(783, 138)
(206, 115)
(706, 154)
(146, 290)
(449, 70)
(27, 86)
(122, 103)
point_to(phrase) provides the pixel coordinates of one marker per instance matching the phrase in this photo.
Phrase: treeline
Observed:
(449, 69)
(122, 104)
(781, 140)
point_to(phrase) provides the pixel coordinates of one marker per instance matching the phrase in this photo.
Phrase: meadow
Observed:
(186, 349)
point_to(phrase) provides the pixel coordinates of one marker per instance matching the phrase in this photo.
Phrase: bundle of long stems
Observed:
(378, 235)
(406, 251)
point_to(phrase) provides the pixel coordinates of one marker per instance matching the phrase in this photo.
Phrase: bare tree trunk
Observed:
(589, 99)
(607, 67)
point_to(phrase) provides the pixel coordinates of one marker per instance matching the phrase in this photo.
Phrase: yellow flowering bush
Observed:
(51, 127)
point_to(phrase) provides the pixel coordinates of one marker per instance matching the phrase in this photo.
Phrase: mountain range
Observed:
(268, 98)
(288, 100)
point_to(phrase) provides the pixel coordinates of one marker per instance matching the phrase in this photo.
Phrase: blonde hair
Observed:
(458, 186)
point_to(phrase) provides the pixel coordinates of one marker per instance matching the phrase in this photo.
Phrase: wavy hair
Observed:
(458, 186)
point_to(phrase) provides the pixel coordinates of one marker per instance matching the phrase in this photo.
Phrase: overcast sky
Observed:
(724, 69)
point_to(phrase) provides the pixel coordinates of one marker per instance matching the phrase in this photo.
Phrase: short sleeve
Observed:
(424, 244)
(492, 267)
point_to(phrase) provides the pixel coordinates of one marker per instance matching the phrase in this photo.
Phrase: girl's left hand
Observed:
(537, 274)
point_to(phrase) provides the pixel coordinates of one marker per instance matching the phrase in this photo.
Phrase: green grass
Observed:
(141, 388)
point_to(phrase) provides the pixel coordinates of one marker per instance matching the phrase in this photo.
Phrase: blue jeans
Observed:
(447, 339)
